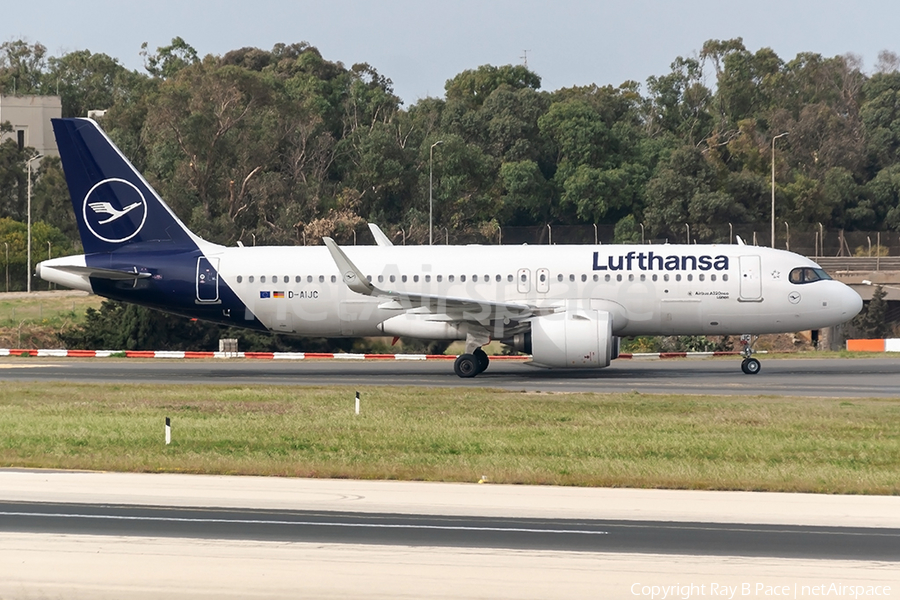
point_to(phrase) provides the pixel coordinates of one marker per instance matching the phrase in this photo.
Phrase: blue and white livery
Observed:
(566, 305)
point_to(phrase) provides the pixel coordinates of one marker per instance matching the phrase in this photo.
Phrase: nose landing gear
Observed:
(749, 365)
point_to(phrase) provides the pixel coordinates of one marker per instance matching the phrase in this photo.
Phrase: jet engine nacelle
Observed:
(577, 338)
(423, 326)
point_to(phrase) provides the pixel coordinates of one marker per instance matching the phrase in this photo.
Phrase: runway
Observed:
(572, 535)
(120, 535)
(850, 378)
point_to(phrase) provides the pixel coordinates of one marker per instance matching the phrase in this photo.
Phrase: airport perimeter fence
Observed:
(811, 241)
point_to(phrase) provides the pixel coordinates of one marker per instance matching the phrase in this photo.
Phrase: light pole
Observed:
(430, 188)
(773, 184)
(28, 265)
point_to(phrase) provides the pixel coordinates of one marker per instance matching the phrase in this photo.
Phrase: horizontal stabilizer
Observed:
(99, 273)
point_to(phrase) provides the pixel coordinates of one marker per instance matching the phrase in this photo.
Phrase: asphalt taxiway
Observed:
(851, 378)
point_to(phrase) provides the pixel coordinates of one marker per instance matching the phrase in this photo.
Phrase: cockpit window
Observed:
(808, 275)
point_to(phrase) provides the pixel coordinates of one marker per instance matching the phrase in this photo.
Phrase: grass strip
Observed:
(822, 445)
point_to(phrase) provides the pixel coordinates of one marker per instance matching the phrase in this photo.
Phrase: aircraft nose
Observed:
(851, 302)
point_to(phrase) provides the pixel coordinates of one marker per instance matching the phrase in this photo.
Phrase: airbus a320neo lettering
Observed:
(565, 305)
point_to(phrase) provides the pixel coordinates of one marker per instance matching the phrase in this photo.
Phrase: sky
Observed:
(420, 44)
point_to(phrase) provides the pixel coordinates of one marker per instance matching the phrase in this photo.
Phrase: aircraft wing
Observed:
(484, 312)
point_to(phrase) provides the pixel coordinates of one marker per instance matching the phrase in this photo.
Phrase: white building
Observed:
(30, 119)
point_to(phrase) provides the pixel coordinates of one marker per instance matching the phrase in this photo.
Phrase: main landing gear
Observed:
(749, 365)
(470, 365)
(475, 360)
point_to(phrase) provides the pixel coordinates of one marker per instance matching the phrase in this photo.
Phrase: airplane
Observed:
(567, 305)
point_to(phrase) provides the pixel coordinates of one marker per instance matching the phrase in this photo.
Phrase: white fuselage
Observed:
(659, 289)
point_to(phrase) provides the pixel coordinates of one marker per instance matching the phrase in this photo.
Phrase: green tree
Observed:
(872, 322)
(50, 198)
(13, 178)
(86, 81)
(473, 87)
(679, 103)
(169, 60)
(880, 115)
(21, 67)
(46, 242)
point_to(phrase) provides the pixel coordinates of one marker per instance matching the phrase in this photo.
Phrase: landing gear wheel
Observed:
(482, 358)
(750, 366)
(466, 365)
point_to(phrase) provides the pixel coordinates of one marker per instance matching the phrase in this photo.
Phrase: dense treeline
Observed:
(283, 146)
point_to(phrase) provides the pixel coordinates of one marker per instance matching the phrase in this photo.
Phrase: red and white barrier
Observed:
(179, 354)
(886, 345)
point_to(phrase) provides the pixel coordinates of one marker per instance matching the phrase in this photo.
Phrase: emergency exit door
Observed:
(751, 279)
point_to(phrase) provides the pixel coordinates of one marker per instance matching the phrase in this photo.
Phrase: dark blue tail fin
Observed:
(114, 205)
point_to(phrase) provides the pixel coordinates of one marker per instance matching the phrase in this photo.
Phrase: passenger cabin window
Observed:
(808, 275)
